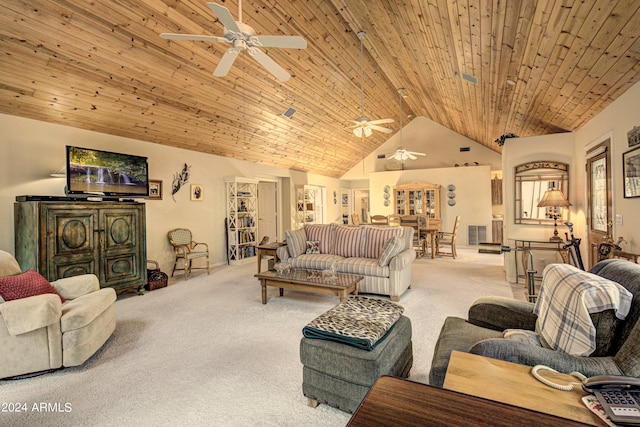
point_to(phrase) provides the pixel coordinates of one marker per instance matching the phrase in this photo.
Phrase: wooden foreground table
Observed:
(402, 403)
(513, 384)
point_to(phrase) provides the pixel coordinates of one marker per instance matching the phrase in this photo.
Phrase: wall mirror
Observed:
(532, 180)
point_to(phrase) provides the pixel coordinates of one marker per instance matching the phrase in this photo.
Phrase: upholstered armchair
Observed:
(186, 250)
(43, 332)
(618, 341)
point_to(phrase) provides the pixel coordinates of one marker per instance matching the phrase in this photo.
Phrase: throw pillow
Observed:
(348, 241)
(313, 247)
(392, 248)
(377, 238)
(296, 242)
(27, 284)
(323, 233)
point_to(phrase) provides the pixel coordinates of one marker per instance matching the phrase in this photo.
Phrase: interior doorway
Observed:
(268, 211)
(361, 204)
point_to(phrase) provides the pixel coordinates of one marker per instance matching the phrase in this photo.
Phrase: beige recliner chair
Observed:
(40, 333)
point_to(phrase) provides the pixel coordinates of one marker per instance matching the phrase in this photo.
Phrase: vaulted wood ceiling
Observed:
(101, 65)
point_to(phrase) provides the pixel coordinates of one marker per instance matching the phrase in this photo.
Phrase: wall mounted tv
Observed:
(94, 172)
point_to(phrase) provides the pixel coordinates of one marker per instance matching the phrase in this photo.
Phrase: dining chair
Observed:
(184, 248)
(394, 220)
(446, 238)
(419, 224)
(379, 220)
(355, 219)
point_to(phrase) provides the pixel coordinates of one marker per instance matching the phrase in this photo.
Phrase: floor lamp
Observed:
(554, 199)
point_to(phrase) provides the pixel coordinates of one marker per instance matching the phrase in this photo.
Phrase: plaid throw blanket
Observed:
(567, 296)
(358, 321)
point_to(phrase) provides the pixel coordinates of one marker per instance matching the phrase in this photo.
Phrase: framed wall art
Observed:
(197, 192)
(155, 189)
(631, 172)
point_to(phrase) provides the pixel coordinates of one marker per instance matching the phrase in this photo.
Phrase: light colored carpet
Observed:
(207, 352)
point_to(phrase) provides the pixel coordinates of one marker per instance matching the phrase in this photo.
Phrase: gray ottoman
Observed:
(340, 375)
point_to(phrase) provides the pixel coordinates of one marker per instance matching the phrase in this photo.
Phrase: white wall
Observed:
(615, 121)
(472, 194)
(30, 150)
(516, 151)
(440, 144)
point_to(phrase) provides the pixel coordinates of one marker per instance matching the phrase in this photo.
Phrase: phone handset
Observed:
(565, 387)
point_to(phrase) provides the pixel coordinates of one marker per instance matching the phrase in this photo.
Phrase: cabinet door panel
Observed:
(121, 249)
(70, 241)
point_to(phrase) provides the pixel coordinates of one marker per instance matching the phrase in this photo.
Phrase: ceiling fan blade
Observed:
(224, 16)
(416, 154)
(411, 156)
(268, 63)
(380, 128)
(380, 121)
(172, 36)
(226, 62)
(290, 42)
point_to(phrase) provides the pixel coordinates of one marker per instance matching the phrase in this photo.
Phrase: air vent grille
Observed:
(470, 78)
(476, 234)
(463, 149)
(289, 112)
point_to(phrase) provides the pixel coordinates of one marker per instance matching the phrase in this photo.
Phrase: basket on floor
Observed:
(155, 278)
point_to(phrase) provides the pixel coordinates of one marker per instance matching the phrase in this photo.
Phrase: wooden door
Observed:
(599, 219)
(268, 211)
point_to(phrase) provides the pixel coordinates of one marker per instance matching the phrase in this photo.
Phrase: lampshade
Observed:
(553, 198)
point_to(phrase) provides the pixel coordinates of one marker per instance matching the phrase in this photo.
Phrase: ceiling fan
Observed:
(402, 153)
(363, 126)
(242, 37)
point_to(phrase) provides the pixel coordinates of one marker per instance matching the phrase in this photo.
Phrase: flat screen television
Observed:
(103, 173)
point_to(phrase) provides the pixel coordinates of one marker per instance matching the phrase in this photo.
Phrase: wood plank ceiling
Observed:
(101, 65)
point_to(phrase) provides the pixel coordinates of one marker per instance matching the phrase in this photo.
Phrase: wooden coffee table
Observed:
(315, 281)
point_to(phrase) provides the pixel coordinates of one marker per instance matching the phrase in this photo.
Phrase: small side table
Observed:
(268, 249)
(513, 384)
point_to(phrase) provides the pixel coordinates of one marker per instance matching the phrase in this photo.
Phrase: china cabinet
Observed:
(418, 198)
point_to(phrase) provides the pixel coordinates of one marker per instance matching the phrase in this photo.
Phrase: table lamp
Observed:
(554, 199)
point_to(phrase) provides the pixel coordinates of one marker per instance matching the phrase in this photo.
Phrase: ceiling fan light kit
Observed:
(243, 38)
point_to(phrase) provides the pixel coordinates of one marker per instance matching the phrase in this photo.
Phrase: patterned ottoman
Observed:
(341, 373)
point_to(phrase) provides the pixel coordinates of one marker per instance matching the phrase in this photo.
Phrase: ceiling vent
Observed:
(382, 156)
(470, 78)
(463, 149)
(289, 112)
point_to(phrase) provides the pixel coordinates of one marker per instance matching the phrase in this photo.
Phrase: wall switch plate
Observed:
(618, 219)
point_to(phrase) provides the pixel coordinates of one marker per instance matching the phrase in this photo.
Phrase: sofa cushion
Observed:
(362, 267)
(296, 242)
(393, 247)
(322, 233)
(8, 264)
(314, 261)
(376, 239)
(81, 311)
(24, 285)
(348, 241)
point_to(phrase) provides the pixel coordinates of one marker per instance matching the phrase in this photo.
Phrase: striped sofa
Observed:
(383, 255)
